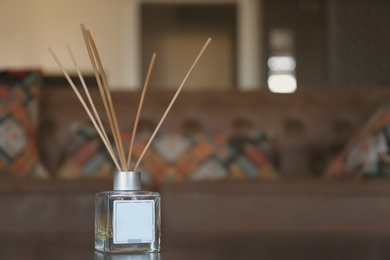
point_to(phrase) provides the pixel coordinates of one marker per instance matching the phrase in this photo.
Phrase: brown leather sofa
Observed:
(311, 126)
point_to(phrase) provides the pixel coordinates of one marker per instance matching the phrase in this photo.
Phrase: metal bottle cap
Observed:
(127, 181)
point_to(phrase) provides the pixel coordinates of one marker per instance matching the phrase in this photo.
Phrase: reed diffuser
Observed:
(127, 219)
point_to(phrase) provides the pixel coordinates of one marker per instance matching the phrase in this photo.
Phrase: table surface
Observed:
(79, 245)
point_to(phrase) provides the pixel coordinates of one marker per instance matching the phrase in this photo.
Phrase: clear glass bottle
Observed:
(127, 219)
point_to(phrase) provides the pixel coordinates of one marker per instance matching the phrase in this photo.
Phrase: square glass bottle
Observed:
(127, 219)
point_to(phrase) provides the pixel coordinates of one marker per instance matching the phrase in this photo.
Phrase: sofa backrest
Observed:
(310, 125)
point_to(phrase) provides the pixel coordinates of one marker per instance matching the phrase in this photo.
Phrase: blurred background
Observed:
(233, 155)
(256, 43)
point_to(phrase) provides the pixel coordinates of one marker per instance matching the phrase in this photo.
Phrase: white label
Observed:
(133, 221)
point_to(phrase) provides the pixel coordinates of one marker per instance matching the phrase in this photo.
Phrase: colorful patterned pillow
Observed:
(19, 94)
(368, 153)
(176, 158)
(87, 157)
(158, 160)
(203, 164)
(173, 158)
(248, 155)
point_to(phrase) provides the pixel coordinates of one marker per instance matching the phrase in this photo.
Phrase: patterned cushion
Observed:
(156, 162)
(367, 154)
(19, 93)
(173, 158)
(86, 156)
(192, 154)
(248, 155)
(199, 157)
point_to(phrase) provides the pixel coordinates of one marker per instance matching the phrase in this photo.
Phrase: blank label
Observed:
(133, 221)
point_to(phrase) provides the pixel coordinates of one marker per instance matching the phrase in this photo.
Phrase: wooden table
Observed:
(187, 246)
(277, 220)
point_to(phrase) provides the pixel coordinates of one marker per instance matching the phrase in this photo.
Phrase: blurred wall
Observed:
(28, 28)
(359, 42)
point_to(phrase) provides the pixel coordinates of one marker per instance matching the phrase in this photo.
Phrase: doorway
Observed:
(177, 32)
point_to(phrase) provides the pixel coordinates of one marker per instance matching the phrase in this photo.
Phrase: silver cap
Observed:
(127, 181)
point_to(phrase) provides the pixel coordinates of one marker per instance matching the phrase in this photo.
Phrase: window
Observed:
(281, 63)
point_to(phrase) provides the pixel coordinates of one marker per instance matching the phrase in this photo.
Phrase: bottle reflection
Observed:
(149, 256)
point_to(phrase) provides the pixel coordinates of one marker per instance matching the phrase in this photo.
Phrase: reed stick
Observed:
(139, 109)
(103, 94)
(171, 103)
(106, 143)
(116, 129)
(108, 103)
(91, 103)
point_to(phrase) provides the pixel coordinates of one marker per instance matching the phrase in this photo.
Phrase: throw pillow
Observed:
(367, 154)
(19, 95)
(86, 156)
(174, 158)
(248, 155)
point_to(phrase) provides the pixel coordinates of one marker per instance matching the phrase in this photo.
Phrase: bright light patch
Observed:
(282, 83)
(281, 63)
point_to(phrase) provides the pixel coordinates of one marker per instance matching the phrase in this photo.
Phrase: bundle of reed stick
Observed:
(118, 155)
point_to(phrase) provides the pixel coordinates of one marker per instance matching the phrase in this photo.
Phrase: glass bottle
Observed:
(127, 219)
